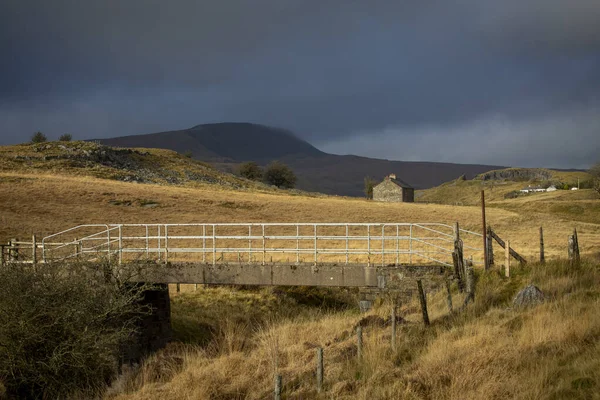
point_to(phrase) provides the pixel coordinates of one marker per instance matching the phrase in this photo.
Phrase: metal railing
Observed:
(252, 243)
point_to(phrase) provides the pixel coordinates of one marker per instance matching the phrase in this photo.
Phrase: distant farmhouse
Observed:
(393, 189)
(535, 189)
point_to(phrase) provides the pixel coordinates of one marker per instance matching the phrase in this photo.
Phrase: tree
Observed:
(251, 170)
(67, 137)
(369, 184)
(280, 175)
(38, 137)
(595, 172)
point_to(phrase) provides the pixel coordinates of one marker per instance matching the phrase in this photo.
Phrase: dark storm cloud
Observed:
(345, 75)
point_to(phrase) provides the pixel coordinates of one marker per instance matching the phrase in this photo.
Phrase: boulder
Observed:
(529, 296)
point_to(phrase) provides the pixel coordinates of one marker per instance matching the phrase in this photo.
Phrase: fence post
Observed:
(542, 258)
(574, 257)
(1, 254)
(33, 250)
(449, 296)
(13, 250)
(394, 326)
(490, 246)
(507, 258)
(319, 369)
(485, 254)
(359, 342)
(277, 391)
(423, 301)
(457, 258)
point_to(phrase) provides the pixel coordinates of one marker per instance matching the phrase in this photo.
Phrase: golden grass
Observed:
(488, 351)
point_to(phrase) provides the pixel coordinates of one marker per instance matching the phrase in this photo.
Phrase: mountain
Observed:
(228, 144)
(225, 142)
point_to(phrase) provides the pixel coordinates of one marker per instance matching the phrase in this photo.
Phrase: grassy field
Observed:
(231, 341)
(488, 351)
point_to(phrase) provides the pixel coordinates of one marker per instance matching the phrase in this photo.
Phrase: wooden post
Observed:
(490, 246)
(457, 258)
(485, 254)
(449, 296)
(423, 301)
(178, 287)
(574, 257)
(319, 369)
(507, 259)
(542, 258)
(513, 253)
(470, 282)
(277, 391)
(14, 250)
(576, 249)
(359, 342)
(34, 250)
(394, 327)
(1, 254)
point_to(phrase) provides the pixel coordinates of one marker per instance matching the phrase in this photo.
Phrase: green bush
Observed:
(62, 329)
(67, 137)
(251, 170)
(369, 185)
(280, 175)
(38, 137)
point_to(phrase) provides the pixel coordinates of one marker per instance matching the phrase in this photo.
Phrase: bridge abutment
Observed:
(154, 327)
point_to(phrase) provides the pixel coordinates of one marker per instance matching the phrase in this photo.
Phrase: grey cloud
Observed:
(333, 71)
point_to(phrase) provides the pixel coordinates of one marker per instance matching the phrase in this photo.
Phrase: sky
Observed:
(512, 82)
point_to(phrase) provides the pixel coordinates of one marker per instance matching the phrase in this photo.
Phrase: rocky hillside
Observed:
(129, 165)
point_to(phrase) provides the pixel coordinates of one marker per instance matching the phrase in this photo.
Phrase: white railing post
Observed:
(397, 244)
(204, 243)
(249, 244)
(382, 244)
(297, 244)
(347, 238)
(147, 242)
(263, 243)
(108, 242)
(369, 245)
(166, 243)
(410, 249)
(158, 241)
(316, 256)
(120, 244)
(214, 240)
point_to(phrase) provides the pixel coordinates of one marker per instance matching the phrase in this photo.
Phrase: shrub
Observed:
(280, 175)
(62, 329)
(38, 137)
(188, 154)
(67, 137)
(251, 170)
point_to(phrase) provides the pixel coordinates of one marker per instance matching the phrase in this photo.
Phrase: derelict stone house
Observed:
(393, 189)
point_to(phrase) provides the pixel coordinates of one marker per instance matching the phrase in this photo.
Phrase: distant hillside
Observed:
(505, 184)
(228, 144)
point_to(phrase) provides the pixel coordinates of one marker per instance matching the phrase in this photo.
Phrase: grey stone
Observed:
(529, 296)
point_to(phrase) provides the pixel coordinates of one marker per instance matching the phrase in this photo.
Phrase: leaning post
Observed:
(507, 259)
(423, 301)
(485, 252)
